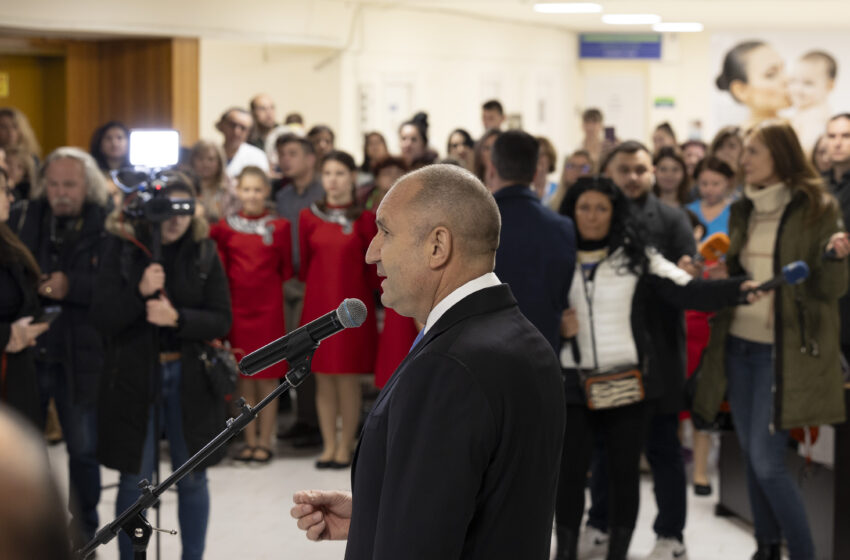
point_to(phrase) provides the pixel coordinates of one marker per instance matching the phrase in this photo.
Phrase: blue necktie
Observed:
(416, 340)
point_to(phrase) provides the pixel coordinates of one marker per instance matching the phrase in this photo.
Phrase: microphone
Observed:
(350, 313)
(714, 247)
(791, 274)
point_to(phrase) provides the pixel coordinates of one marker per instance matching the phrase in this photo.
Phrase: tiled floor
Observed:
(250, 515)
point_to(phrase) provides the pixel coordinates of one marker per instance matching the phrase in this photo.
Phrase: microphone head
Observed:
(351, 313)
(795, 272)
(714, 247)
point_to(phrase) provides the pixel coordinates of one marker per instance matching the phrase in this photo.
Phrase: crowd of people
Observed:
(110, 316)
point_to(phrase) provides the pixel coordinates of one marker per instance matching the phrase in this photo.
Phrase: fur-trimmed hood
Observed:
(119, 225)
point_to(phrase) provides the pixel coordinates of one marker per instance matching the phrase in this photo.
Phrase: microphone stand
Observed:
(132, 521)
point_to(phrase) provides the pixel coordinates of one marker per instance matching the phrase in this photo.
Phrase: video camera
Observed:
(145, 183)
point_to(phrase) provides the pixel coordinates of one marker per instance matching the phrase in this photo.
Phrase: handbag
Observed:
(220, 368)
(612, 387)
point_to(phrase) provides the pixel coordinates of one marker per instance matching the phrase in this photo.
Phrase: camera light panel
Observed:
(154, 148)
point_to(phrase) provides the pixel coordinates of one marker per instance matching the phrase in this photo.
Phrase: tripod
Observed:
(132, 521)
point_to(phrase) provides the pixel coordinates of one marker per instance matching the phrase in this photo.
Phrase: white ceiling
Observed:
(757, 15)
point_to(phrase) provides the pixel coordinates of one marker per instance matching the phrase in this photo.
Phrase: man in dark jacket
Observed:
(459, 456)
(838, 179)
(667, 229)
(62, 225)
(537, 247)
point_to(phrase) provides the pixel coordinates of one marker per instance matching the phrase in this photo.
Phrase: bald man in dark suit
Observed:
(459, 456)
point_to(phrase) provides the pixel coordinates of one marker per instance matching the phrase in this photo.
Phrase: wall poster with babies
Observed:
(801, 77)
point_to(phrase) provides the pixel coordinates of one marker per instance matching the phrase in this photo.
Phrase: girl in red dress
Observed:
(256, 251)
(334, 234)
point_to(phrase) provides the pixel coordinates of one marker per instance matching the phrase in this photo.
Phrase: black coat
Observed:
(668, 230)
(81, 345)
(841, 189)
(460, 454)
(18, 382)
(132, 351)
(536, 258)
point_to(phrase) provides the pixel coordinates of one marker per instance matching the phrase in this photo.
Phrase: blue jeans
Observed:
(774, 495)
(193, 497)
(79, 429)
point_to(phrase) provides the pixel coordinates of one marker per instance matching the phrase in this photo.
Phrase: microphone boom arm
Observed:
(132, 520)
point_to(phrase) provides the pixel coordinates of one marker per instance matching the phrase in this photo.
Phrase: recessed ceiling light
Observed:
(631, 19)
(568, 8)
(678, 27)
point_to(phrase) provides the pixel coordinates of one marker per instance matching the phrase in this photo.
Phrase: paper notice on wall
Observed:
(4, 85)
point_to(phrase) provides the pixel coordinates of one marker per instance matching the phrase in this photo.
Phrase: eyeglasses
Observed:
(237, 126)
(583, 168)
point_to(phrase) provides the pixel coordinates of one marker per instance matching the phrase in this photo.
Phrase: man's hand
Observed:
(717, 271)
(754, 296)
(690, 266)
(153, 280)
(569, 323)
(161, 313)
(323, 515)
(54, 286)
(23, 334)
(839, 244)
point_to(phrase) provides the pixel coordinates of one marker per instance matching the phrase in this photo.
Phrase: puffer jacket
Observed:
(807, 377)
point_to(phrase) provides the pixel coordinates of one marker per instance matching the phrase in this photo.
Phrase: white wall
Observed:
(446, 65)
(403, 61)
(298, 79)
(683, 74)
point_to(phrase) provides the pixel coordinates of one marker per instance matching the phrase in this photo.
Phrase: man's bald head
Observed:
(450, 196)
(32, 518)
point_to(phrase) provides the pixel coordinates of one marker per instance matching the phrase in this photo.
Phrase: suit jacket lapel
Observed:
(483, 301)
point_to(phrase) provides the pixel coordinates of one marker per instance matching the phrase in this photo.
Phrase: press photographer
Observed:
(157, 317)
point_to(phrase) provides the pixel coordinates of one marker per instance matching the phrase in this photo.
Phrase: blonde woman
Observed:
(215, 189)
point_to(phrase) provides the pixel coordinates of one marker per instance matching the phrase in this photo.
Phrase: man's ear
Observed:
(440, 245)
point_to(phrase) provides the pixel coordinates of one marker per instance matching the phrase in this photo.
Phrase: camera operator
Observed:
(62, 225)
(156, 317)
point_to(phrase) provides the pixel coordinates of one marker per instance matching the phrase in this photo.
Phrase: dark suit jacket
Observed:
(669, 231)
(536, 258)
(459, 457)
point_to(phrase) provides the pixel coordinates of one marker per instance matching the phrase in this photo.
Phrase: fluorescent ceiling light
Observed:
(678, 27)
(568, 8)
(631, 19)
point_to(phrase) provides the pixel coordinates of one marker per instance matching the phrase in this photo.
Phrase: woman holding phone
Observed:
(19, 277)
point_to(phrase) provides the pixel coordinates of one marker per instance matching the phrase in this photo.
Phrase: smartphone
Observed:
(48, 314)
(154, 148)
(610, 134)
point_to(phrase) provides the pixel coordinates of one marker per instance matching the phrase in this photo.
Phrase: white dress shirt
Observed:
(485, 281)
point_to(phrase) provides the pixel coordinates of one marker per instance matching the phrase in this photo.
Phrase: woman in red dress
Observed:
(334, 234)
(395, 341)
(256, 251)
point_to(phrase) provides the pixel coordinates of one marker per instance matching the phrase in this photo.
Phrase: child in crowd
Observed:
(256, 251)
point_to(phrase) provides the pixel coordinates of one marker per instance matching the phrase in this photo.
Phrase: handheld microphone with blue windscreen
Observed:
(793, 273)
(300, 342)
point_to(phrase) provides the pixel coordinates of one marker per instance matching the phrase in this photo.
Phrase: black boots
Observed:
(567, 543)
(619, 539)
(768, 552)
